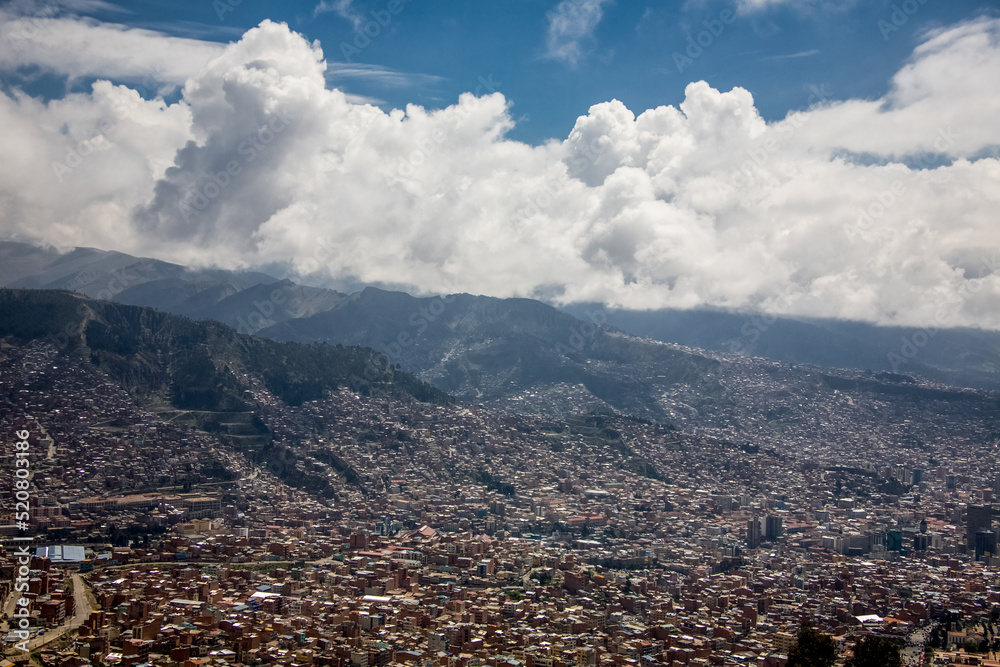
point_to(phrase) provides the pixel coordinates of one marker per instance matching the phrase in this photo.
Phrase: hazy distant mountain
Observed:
(515, 353)
(116, 276)
(960, 357)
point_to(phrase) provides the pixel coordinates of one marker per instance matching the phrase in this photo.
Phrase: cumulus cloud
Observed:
(569, 25)
(880, 210)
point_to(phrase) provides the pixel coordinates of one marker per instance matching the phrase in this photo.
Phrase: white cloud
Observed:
(751, 6)
(792, 56)
(704, 203)
(82, 47)
(570, 23)
(338, 72)
(943, 91)
(345, 9)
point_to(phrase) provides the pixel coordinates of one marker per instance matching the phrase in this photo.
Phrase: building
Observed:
(985, 544)
(753, 533)
(978, 517)
(61, 555)
(773, 528)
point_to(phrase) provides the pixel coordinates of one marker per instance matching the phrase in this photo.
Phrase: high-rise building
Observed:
(977, 518)
(753, 533)
(773, 527)
(985, 544)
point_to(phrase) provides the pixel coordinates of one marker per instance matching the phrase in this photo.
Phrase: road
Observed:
(914, 650)
(82, 599)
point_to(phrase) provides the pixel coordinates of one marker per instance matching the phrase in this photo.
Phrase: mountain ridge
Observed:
(162, 357)
(513, 352)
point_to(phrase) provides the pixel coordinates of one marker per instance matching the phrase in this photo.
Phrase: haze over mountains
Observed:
(509, 351)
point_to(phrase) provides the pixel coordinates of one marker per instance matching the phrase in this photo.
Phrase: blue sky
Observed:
(782, 52)
(825, 158)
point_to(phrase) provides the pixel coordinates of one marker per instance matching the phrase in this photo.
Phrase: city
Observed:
(383, 531)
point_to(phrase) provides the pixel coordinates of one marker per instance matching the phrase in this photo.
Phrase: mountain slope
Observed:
(116, 276)
(485, 349)
(194, 365)
(516, 353)
(961, 357)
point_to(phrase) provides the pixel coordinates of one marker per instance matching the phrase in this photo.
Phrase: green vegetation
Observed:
(813, 649)
(542, 577)
(487, 479)
(876, 652)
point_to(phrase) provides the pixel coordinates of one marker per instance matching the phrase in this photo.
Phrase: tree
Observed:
(813, 649)
(876, 652)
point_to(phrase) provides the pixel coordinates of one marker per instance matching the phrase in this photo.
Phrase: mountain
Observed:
(343, 405)
(514, 353)
(518, 354)
(162, 358)
(105, 274)
(123, 278)
(507, 351)
(958, 356)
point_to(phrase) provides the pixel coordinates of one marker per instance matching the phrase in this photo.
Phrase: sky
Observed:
(827, 158)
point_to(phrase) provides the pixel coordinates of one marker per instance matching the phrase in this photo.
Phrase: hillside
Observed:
(959, 356)
(192, 365)
(518, 354)
(508, 351)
